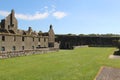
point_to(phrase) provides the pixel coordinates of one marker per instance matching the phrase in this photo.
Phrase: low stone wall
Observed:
(80, 46)
(10, 54)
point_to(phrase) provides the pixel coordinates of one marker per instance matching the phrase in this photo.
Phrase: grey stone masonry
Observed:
(13, 39)
(11, 54)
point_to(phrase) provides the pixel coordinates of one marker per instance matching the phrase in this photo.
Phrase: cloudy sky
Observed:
(66, 16)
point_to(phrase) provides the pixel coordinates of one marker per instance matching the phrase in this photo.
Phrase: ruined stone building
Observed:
(13, 39)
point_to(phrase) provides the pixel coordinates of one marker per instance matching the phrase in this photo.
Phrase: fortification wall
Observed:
(10, 54)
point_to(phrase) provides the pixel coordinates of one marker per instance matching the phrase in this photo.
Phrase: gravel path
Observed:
(108, 73)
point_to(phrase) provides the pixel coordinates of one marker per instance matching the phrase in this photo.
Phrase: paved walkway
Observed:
(108, 73)
(114, 57)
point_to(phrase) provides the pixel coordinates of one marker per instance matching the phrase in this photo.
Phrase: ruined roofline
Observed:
(4, 34)
(10, 23)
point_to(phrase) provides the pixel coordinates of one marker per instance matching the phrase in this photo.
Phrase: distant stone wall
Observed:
(68, 42)
(10, 54)
(80, 46)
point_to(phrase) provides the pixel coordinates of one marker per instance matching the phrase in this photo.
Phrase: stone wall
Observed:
(10, 54)
(68, 42)
(81, 46)
(30, 42)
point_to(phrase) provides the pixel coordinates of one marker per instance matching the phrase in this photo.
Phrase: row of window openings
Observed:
(23, 39)
(14, 48)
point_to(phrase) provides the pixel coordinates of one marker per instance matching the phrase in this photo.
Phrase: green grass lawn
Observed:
(77, 64)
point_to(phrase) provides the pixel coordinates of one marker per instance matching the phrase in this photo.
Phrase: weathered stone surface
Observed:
(15, 42)
(108, 73)
(11, 54)
(14, 39)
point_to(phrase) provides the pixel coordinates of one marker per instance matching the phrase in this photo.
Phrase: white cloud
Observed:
(4, 13)
(59, 14)
(36, 16)
(46, 7)
(53, 9)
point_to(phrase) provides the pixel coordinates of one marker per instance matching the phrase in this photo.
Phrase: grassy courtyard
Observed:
(77, 64)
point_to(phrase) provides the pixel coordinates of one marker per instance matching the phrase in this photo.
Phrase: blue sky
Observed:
(66, 16)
